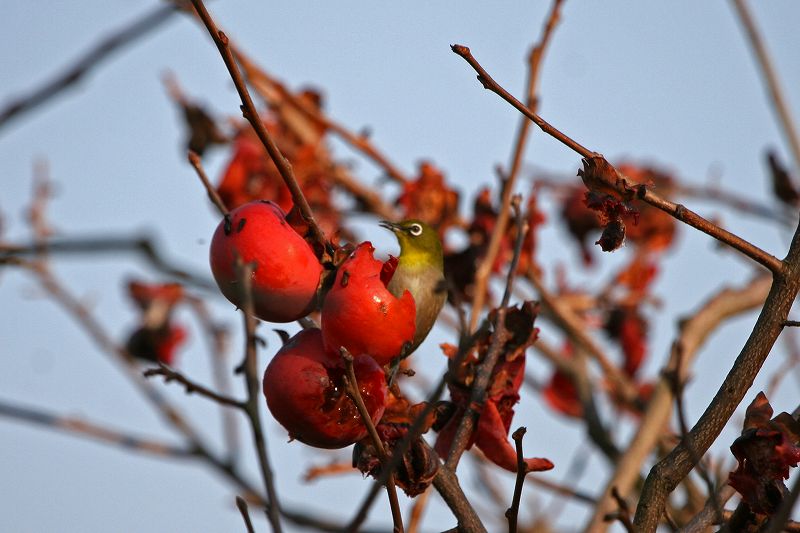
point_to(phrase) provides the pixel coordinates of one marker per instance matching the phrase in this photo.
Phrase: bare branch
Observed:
(170, 374)
(665, 475)
(770, 77)
(143, 245)
(242, 506)
(213, 195)
(250, 371)
(522, 470)
(621, 186)
(484, 270)
(80, 427)
(693, 332)
(351, 385)
(90, 60)
(251, 114)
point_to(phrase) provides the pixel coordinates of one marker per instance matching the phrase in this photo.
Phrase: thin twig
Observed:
(303, 119)
(575, 328)
(512, 513)
(251, 114)
(170, 374)
(621, 186)
(217, 336)
(144, 245)
(213, 195)
(484, 270)
(241, 504)
(417, 510)
(678, 386)
(277, 95)
(80, 427)
(447, 486)
(489, 83)
(499, 337)
(623, 513)
(250, 370)
(770, 77)
(351, 385)
(680, 212)
(76, 72)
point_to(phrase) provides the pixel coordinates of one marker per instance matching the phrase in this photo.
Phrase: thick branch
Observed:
(666, 475)
(693, 333)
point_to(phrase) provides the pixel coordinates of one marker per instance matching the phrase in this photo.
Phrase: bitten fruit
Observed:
(360, 314)
(287, 272)
(305, 392)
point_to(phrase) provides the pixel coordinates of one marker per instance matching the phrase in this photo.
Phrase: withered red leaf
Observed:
(562, 396)
(613, 235)
(502, 394)
(626, 325)
(428, 198)
(782, 184)
(766, 449)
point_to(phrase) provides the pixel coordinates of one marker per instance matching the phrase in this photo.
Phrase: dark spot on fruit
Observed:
(227, 227)
(345, 278)
(241, 224)
(384, 309)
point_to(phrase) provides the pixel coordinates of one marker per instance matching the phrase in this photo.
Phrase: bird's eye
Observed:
(415, 230)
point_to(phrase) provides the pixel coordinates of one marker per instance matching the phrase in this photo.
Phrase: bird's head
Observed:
(419, 243)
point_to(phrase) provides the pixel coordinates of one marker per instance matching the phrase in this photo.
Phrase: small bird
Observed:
(420, 270)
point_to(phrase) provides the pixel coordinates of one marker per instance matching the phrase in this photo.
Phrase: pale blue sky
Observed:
(669, 82)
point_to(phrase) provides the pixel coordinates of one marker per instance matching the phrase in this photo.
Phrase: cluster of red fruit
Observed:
(304, 382)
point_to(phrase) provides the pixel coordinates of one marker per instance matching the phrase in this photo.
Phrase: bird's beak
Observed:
(391, 226)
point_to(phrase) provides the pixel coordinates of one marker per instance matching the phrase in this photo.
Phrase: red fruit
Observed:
(305, 392)
(287, 271)
(360, 314)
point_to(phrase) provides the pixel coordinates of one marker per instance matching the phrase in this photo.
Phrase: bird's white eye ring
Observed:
(415, 230)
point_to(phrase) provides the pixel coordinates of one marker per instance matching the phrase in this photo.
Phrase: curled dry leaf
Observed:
(766, 450)
(490, 433)
(419, 464)
(580, 220)
(626, 325)
(783, 186)
(560, 392)
(202, 129)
